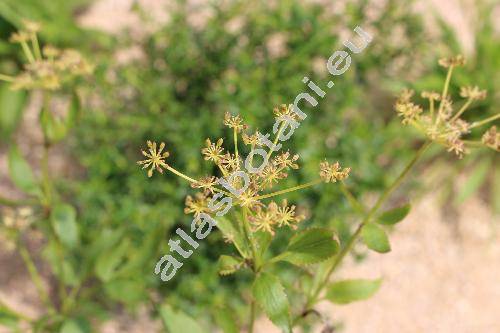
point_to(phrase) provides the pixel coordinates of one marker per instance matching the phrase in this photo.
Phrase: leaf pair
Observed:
(375, 237)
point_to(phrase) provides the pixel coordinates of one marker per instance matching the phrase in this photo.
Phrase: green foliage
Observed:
(20, 172)
(270, 295)
(63, 218)
(177, 321)
(310, 247)
(105, 228)
(347, 291)
(394, 215)
(375, 238)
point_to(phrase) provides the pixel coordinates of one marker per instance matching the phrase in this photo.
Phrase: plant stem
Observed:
(270, 152)
(36, 46)
(15, 203)
(191, 180)
(485, 121)
(27, 52)
(462, 109)
(252, 316)
(352, 200)
(46, 175)
(350, 243)
(291, 189)
(35, 277)
(6, 78)
(235, 139)
(255, 265)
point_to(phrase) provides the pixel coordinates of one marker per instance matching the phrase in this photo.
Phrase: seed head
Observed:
(457, 60)
(286, 160)
(206, 183)
(431, 95)
(491, 138)
(213, 151)
(332, 172)
(234, 122)
(155, 158)
(196, 205)
(473, 93)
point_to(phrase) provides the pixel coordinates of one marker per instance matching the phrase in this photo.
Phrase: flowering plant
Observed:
(255, 221)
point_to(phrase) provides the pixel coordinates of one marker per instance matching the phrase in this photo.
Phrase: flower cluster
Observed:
(442, 122)
(47, 68)
(250, 193)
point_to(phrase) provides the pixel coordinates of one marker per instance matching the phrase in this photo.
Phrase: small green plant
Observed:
(255, 222)
(53, 74)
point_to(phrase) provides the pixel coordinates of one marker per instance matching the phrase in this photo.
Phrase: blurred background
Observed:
(168, 70)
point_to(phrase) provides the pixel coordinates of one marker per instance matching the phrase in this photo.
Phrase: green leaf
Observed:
(74, 111)
(134, 290)
(63, 218)
(225, 319)
(347, 291)
(310, 246)
(229, 264)
(394, 216)
(270, 295)
(20, 172)
(8, 317)
(11, 110)
(54, 129)
(375, 238)
(107, 263)
(178, 321)
(75, 326)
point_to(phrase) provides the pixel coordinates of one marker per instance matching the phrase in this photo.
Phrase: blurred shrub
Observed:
(247, 57)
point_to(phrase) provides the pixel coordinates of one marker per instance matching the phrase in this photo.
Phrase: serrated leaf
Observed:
(178, 321)
(270, 296)
(310, 246)
(20, 172)
(63, 219)
(347, 291)
(375, 238)
(229, 264)
(394, 216)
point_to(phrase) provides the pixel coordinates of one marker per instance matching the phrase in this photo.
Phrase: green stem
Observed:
(250, 239)
(7, 78)
(352, 200)
(191, 180)
(350, 243)
(36, 46)
(462, 109)
(444, 94)
(46, 181)
(235, 139)
(291, 189)
(252, 316)
(270, 152)
(485, 121)
(36, 278)
(16, 203)
(27, 52)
